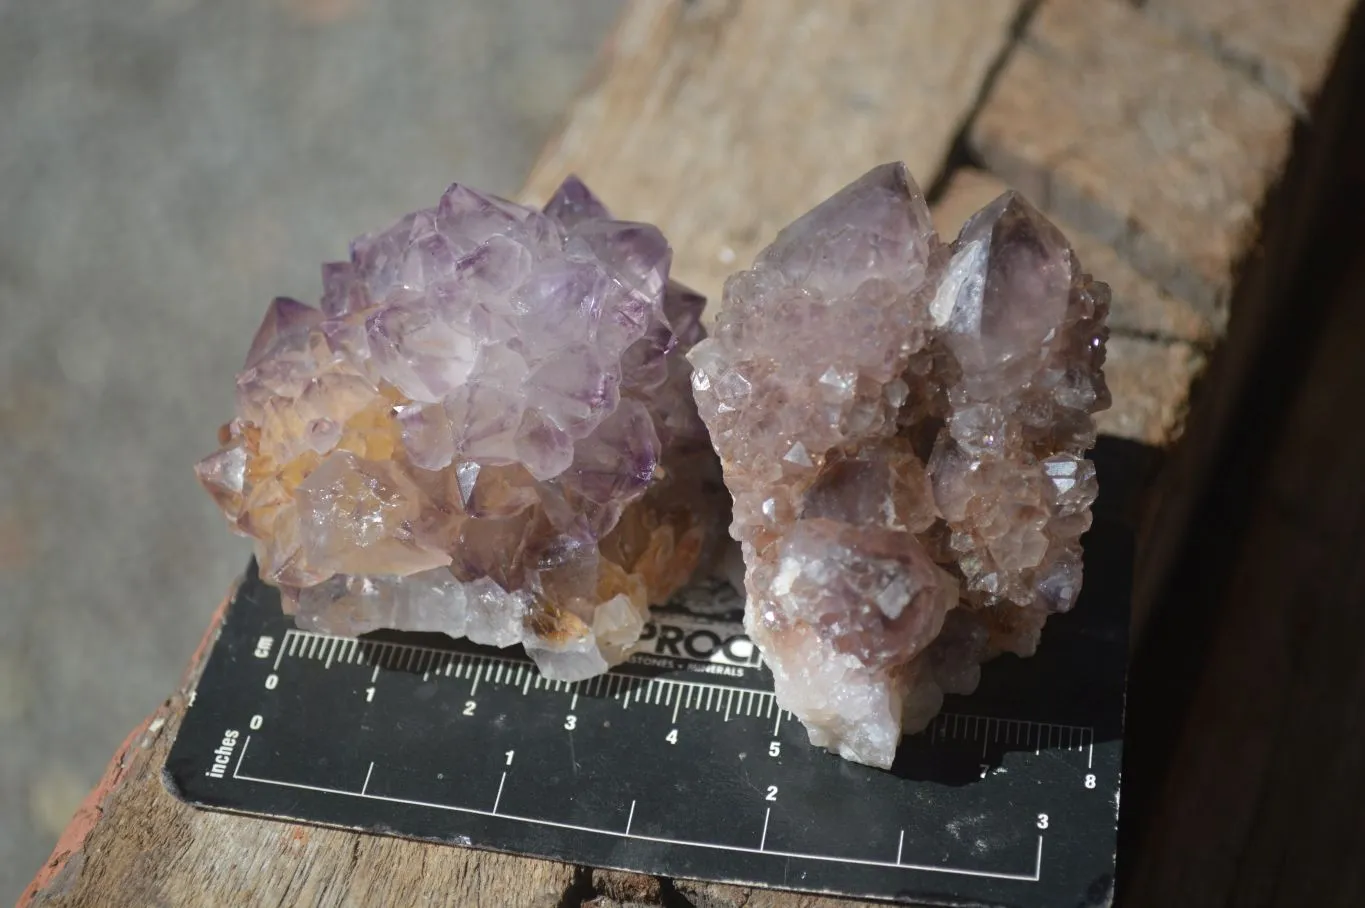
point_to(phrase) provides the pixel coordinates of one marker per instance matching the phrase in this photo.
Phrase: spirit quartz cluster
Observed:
(487, 429)
(902, 425)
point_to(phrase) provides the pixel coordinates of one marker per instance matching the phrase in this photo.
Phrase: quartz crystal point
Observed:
(486, 429)
(902, 425)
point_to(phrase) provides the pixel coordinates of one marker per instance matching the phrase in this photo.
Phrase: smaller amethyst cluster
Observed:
(902, 423)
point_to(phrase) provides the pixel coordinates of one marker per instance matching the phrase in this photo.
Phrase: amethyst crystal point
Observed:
(902, 425)
(486, 429)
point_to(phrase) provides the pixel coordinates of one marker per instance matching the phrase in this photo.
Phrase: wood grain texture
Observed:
(1286, 45)
(1141, 139)
(721, 121)
(717, 895)
(1262, 804)
(1265, 302)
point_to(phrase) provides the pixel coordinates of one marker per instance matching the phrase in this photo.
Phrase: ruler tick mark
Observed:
(630, 819)
(573, 703)
(763, 842)
(498, 799)
(374, 675)
(900, 846)
(241, 756)
(526, 685)
(364, 789)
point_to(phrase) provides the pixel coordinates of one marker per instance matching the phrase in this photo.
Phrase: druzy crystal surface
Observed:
(902, 424)
(485, 429)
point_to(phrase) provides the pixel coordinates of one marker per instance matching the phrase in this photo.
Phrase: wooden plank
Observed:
(718, 895)
(1262, 802)
(721, 121)
(1264, 303)
(1286, 45)
(1139, 138)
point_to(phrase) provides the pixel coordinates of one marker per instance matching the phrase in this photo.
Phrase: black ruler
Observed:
(679, 762)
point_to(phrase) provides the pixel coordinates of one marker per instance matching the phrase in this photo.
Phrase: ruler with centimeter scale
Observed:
(680, 762)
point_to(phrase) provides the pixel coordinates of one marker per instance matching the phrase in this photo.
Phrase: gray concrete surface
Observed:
(166, 166)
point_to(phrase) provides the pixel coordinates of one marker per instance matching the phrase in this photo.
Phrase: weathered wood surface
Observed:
(1149, 134)
(1262, 801)
(1264, 292)
(1137, 136)
(721, 121)
(1286, 45)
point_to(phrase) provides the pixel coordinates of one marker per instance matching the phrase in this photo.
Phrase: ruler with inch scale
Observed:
(679, 762)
